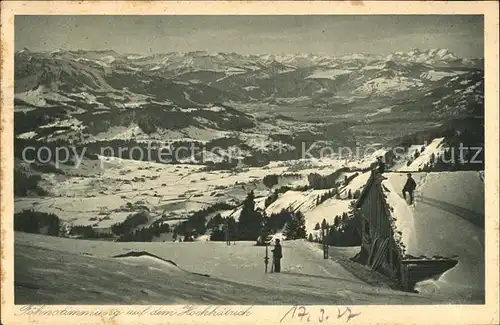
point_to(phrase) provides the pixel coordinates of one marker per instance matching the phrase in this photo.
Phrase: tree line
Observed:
(37, 222)
(255, 225)
(343, 232)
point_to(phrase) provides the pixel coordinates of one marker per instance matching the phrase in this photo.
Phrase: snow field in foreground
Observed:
(236, 275)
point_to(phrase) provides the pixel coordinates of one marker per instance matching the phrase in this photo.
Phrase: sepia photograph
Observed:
(230, 160)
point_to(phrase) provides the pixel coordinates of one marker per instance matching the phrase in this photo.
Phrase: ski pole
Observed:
(266, 259)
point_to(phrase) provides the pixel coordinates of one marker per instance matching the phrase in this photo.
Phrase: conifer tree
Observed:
(296, 227)
(336, 223)
(250, 221)
(324, 224)
(301, 222)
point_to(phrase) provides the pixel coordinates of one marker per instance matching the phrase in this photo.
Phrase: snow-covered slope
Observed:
(431, 152)
(356, 184)
(305, 202)
(447, 220)
(438, 75)
(46, 266)
(259, 204)
(388, 86)
(295, 200)
(327, 210)
(328, 74)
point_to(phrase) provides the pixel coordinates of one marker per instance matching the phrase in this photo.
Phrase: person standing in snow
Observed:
(409, 187)
(277, 255)
(380, 165)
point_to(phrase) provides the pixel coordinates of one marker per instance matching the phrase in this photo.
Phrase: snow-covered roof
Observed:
(447, 220)
(442, 201)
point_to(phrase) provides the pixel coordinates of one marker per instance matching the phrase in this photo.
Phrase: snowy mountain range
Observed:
(104, 95)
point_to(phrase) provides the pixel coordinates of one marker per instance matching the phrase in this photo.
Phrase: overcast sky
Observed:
(335, 35)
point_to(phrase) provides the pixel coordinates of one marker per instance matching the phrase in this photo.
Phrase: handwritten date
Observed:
(313, 316)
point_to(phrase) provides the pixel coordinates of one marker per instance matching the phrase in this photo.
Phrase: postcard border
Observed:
(386, 314)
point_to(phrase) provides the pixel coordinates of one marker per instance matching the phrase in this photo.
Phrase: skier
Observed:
(409, 187)
(277, 255)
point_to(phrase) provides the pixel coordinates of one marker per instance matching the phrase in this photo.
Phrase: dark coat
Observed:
(277, 253)
(381, 167)
(410, 185)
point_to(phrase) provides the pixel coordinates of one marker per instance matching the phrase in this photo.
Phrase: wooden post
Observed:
(235, 233)
(325, 254)
(227, 232)
(323, 239)
(404, 278)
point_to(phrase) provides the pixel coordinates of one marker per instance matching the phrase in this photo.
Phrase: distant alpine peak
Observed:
(357, 56)
(424, 56)
(440, 52)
